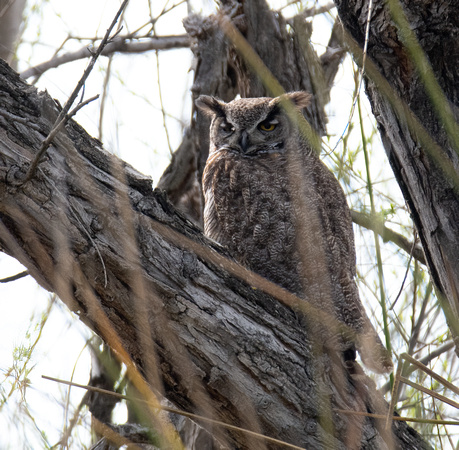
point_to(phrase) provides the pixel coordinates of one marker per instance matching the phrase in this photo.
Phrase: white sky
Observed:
(133, 130)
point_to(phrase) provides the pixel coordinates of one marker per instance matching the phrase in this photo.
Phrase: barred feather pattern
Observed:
(281, 213)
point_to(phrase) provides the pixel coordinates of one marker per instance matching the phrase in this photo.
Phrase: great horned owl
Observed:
(278, 209)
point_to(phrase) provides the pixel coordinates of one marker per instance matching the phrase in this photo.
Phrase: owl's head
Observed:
(251, 126)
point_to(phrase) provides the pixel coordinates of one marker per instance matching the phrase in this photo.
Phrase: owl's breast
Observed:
(248, 209)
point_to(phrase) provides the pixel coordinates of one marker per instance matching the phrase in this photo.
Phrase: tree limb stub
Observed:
(210, 342)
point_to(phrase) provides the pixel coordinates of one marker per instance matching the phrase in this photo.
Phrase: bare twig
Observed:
(108, 73)
(122, 44)
(393, 400)
(179, 412)
(63, 118)
(413, 340)
(163, 111)
(58, 125)
(372, 223)
(430, 372)
(398, 418)
(440, 350)
(391, 307)
(15, 277)
(401, 379)
(425, 360)
(359, 80)
(429, 392)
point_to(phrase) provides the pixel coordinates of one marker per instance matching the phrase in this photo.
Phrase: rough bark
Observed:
(427, 172)
(221, 71)
(90, 228)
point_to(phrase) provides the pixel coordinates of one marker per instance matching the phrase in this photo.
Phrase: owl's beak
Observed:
(244, 141)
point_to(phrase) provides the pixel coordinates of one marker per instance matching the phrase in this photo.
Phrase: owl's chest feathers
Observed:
(247, 193)
(248, 209)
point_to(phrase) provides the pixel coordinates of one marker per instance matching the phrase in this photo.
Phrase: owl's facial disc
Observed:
(260, 138)
(227, 127)
(265, 136)
(250, 132)
(268, 125)
(244, 141)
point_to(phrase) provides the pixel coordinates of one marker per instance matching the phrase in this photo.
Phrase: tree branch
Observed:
(375, 224)
(207, 340)
(122, 44)
(18, 276)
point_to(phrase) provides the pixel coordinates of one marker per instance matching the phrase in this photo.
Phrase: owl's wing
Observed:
(340, 236)
(336, 210)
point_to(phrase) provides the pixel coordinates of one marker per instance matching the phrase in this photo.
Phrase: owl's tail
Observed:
(372, 351)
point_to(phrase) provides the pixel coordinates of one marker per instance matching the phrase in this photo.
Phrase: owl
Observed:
(281, 213)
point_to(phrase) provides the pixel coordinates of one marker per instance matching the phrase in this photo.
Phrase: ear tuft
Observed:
(210, 106)
(300, 99)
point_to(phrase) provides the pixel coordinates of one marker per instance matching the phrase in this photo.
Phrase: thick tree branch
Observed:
(90, 228)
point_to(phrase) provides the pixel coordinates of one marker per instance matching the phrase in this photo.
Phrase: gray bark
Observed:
(89, 227)
(425, 161)
(222, 72)
(10, 23)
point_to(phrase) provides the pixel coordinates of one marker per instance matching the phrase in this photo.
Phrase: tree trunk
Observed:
(418, 125)
(200, 329)
(10, 23)
(222, 72)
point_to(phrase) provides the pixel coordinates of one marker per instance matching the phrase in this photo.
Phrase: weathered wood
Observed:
(10, 25)
(214, 75)
(220, 71)
(428, 176)
(90, 228)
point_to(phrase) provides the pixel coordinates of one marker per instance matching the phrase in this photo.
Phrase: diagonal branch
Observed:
(375, 224)
(63, 116)
(205, 339)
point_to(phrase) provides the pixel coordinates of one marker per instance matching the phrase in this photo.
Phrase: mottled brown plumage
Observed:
(281, 212)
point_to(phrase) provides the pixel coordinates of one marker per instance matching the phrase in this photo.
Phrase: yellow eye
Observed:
(268, 126)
